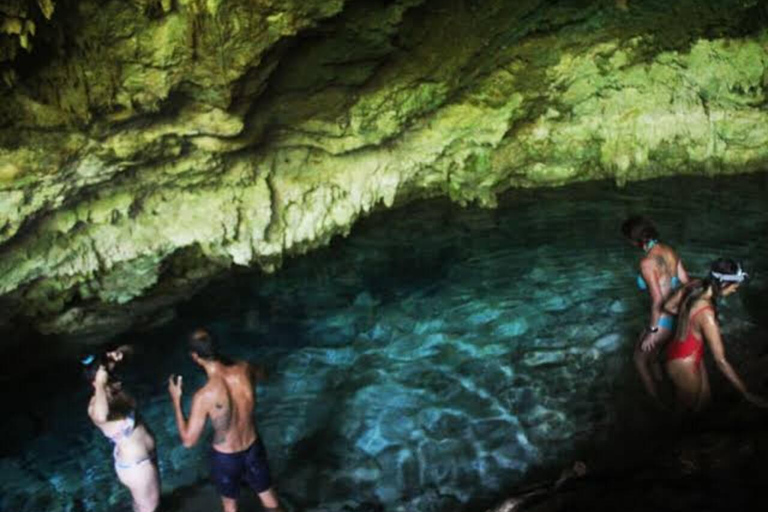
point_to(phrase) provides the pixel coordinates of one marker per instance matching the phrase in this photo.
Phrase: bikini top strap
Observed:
(703, 308)
(130, 424)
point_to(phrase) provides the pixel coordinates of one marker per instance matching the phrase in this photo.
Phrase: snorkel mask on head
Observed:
(738, 277)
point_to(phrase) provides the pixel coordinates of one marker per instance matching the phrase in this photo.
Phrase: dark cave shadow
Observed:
(644, 449)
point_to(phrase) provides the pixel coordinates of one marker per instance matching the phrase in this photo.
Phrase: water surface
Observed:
(431, 360)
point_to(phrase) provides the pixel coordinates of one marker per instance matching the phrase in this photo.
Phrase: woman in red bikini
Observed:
(698, 321)
(661, 273)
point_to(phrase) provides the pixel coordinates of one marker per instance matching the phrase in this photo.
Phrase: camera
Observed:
(108, 359)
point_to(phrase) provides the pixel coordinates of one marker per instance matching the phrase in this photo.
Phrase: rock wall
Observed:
(149, 145)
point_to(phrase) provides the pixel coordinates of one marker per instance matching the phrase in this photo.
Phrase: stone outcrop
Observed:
(148, 145)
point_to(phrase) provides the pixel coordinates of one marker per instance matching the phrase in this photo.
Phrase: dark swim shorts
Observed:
(229, 470)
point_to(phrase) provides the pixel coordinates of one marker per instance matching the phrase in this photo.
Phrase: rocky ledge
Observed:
(148, 146)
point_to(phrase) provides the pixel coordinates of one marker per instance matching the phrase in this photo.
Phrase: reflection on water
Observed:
(432, 359)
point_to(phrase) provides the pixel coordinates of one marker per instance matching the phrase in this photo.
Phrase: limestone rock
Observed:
(148, 145)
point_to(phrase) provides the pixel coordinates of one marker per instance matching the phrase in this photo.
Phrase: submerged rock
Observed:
(609, 342)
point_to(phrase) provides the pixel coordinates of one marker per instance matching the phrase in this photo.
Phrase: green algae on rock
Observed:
(235, 133)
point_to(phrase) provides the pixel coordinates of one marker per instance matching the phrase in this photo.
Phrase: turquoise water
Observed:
(431, 360)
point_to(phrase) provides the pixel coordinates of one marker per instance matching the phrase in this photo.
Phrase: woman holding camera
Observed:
(113, 411)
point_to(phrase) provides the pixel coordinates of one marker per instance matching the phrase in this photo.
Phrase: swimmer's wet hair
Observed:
(202, 343)
(639, 229)
(726, 271)
(721, 274)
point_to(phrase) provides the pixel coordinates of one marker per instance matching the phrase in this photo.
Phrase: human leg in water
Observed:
(644, 362)
(646, 358)
(689, 383)
(268, 499)
(705, 393)
(143, 481)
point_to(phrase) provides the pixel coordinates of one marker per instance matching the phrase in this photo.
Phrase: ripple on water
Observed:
(434, 357)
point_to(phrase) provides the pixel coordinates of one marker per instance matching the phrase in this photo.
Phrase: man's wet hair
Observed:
(202, 343)
(639, 229)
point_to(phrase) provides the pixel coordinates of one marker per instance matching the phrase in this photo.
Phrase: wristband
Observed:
(654, 329)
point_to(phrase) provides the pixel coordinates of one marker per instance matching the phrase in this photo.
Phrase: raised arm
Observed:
(682, 274)
(711, 332)
(98, 408)
(190, 429)
(672, 304)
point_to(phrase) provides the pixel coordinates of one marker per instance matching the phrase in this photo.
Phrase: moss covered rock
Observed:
(149, 145)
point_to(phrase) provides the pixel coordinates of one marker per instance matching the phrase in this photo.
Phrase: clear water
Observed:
(429, 361)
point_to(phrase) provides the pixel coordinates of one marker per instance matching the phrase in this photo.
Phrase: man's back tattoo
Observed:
(221, 423)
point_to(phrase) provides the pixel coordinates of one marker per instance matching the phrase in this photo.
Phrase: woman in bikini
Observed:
(112, 410)
(661, 273)
(697, 306)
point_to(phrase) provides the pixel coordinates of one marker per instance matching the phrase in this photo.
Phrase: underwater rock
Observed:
(485, 316)
(514, 328)
(544, 358)
(619, 306)
(609, 342)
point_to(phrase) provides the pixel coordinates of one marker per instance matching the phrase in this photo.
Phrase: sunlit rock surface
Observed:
(149, 145)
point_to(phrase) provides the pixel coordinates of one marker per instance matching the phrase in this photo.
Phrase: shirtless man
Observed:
(228, 399)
